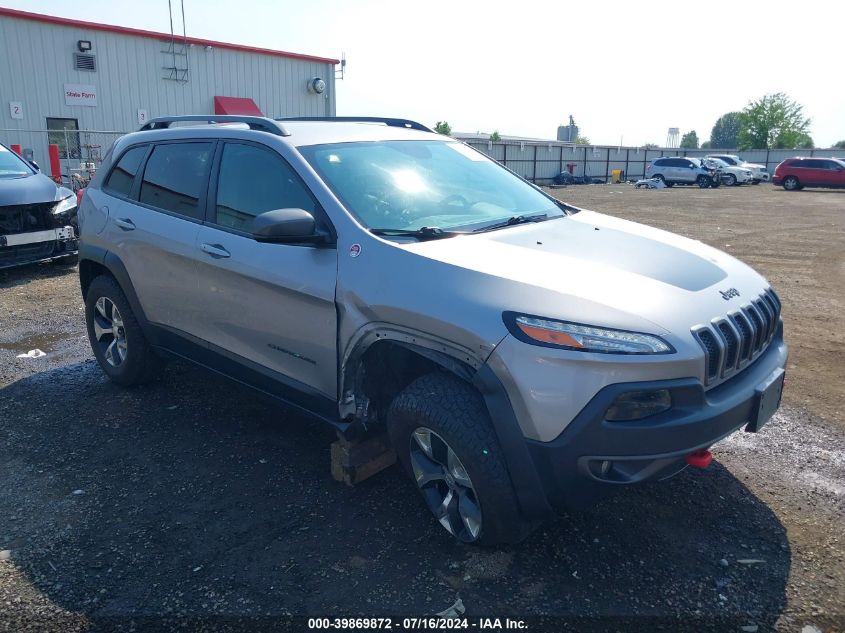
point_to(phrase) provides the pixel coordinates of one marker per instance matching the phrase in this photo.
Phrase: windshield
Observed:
(716, 162)
(12, 166)
(414, 184)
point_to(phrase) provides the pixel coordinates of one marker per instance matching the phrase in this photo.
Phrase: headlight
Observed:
(583, 338)
(65, 205)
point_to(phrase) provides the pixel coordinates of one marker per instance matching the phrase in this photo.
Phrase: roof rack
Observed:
(405, 123)
(262, 124)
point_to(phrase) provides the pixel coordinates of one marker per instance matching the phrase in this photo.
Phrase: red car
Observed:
(797, 173)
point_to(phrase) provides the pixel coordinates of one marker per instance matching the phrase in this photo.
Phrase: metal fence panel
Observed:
(540, 161)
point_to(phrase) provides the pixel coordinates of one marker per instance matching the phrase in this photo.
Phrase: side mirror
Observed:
(34, 165)
(287, 226)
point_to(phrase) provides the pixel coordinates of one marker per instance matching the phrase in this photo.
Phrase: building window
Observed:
(66, 136)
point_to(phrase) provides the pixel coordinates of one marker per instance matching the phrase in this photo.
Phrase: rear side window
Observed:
(176, 176)
(252, 181)
(123, 175)
(809, 164)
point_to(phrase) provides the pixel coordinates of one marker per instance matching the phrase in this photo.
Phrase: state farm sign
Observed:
(77, 94)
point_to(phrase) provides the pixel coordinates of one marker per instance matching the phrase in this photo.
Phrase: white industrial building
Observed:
(74, 76)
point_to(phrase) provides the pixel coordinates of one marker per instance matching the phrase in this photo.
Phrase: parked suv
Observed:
(759, 172)
(676, 170)
(730, 174)
(521, 354)
(796, 173)
(37, 218)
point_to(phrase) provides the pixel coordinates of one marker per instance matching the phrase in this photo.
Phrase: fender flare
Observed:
(114, 265)
(451, 356)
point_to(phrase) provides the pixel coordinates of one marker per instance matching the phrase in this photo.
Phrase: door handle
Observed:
(215, 250)
(125, 224)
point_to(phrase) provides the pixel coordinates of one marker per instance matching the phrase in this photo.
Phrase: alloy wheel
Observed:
(110, 332)
(445, 484)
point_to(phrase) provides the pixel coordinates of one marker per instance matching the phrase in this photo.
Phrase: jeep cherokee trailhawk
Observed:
(521, 354)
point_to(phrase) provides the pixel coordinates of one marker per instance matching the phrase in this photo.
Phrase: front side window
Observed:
(410, 185)
(123, 175)
(254, 180)
(175, 177)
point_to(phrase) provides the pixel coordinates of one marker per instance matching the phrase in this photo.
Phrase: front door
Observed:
(264, 304)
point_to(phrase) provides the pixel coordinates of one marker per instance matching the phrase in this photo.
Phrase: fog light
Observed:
(636, 405)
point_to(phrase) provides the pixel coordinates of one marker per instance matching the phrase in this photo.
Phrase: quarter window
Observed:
(123, 175)
(252, 181)
(175, 177)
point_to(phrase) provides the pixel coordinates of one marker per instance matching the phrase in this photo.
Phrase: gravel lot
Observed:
(193, 498)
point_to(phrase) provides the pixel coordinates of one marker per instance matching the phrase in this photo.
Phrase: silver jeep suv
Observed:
(521, 354)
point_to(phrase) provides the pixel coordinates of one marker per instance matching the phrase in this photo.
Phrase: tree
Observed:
(582, 140)
(706, 145)
(495, 136)
(804, 141)
(773, 122)
(443, 128)
(839, 145)
(651, 146)
(689, 140)
(724, 132)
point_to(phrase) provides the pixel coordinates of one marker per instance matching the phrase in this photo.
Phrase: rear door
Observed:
(267, 306)
(153, 228)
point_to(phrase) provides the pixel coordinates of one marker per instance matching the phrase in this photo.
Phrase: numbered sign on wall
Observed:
(142, 117)
(16, 109)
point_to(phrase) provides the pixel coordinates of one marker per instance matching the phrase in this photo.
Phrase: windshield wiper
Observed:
(423, 233)
(513, 221)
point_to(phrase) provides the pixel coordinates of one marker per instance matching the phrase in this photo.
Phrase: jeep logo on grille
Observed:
(729, 293)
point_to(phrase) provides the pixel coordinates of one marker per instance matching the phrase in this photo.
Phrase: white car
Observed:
(760, 172)
(731, 175)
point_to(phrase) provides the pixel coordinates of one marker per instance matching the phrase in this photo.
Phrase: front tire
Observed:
(704, 181)
(730, 180)
(442, 434)
(791, 183)
(116, 338)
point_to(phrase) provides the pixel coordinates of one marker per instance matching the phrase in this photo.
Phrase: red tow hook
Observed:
(700, 459)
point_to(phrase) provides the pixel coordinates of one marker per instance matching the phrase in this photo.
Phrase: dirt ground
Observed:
(191, 503)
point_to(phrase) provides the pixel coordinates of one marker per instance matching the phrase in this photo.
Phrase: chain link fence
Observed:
(79, 154)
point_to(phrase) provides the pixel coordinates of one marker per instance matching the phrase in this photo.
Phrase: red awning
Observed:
(236, 105)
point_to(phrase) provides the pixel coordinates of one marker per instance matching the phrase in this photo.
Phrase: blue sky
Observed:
(626, 71)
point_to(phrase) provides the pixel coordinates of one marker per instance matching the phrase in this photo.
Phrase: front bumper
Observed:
(568, 469)
(653, 448)
(17, 249)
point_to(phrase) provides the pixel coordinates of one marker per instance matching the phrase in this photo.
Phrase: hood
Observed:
(597, 269)
(27, 190)
(753, 166)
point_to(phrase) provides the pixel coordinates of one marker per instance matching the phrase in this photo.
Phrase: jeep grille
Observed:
(733, 341)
